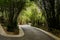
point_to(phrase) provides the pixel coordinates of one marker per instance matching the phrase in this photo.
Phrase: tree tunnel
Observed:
(10, 10)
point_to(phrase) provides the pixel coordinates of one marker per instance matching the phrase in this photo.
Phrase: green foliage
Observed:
(31, 14)
(10, 11)
(27, 10)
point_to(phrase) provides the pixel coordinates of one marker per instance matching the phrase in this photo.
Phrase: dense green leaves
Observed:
(10, 11)
(31, 14)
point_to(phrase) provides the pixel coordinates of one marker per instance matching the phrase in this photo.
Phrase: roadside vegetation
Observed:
(36, 13)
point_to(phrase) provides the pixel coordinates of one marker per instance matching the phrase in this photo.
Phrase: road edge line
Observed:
(48, 33)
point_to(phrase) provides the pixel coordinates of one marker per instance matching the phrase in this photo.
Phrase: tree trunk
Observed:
(50, 9)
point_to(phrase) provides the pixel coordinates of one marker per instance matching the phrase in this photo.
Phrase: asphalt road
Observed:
(30, 33)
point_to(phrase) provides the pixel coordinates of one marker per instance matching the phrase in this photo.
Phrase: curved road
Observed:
(30, 33)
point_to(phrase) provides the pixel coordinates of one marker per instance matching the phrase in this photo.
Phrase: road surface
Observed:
(30, 33)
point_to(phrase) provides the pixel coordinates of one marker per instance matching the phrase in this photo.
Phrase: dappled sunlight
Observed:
(30, 16)
(30, 12)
